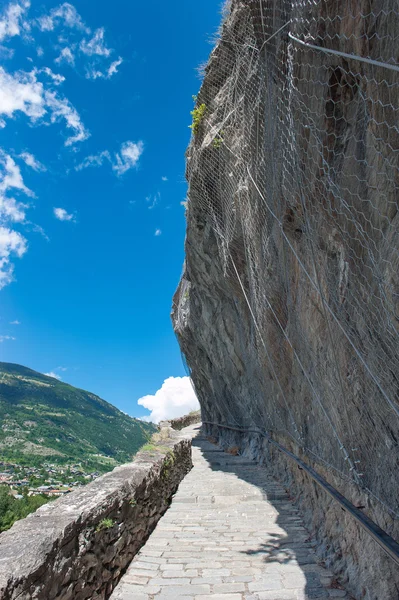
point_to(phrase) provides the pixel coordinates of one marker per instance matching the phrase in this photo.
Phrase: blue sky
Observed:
(94, 112)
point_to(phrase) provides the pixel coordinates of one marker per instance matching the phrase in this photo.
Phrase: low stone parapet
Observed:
(79, 546)
(186, 420)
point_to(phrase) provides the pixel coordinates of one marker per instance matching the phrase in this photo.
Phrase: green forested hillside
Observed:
(45, 420)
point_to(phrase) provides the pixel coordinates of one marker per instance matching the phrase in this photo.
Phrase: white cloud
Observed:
(175, 399)
(70, 16)
(66, 55)
(31, 161)
(11, 176)
(16, 322)
(4, 338)
(127, 158)
(95, 160)
(61, 108)
(6, 53)
(62, 215)
(45, 23)
(23, 92)
(56, 77)
(52, 374)
(12, 19)
(113, 68)
(158, 232)
(164, 178)
(39, 51)
(96, 45)
(94, 73)
(11, 243)
(65, 14)
(153, 199)
(12, 210)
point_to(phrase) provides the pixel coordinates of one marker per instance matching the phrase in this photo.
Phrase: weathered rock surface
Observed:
(79, 546)
(287, 308)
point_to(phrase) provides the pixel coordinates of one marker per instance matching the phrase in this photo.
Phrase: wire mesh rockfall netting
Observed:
(294, 162)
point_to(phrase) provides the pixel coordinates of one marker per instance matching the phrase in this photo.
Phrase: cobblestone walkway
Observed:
(230, 534)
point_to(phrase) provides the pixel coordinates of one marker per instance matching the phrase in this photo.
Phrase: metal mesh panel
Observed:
(295, 165)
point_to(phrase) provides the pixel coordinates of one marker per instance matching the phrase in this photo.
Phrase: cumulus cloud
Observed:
(127, 158)
(164, 178)
(158, 232)
(175, 398)
(62, 215)
(11, 21)
(52, 374)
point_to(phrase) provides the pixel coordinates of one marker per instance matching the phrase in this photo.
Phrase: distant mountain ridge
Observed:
(43, 419)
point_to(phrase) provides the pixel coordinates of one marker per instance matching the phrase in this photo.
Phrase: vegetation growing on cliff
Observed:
(197, 114)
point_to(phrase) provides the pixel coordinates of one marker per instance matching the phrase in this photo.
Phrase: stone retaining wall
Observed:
(79, 546)
(186, 420)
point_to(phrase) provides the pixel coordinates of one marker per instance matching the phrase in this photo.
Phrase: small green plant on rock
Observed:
(133, 502)
(218, 140)
(105, 524)
(148, 448)
(197, 114)
(168, 463)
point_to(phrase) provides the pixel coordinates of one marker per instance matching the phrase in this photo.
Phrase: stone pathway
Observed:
(230, 534)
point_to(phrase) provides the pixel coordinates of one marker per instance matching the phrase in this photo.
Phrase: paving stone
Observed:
(230, 534)
(220, 597)
(224, 588)
(184, 590)
(264, 585)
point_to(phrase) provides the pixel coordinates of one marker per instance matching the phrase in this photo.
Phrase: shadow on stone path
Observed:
(231, 533)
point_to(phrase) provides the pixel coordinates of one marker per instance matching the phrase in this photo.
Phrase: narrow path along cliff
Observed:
(231, 533)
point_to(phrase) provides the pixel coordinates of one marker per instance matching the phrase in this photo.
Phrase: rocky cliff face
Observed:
(287, 311)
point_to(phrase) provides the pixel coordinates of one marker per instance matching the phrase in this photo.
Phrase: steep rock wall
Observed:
(287, 311)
